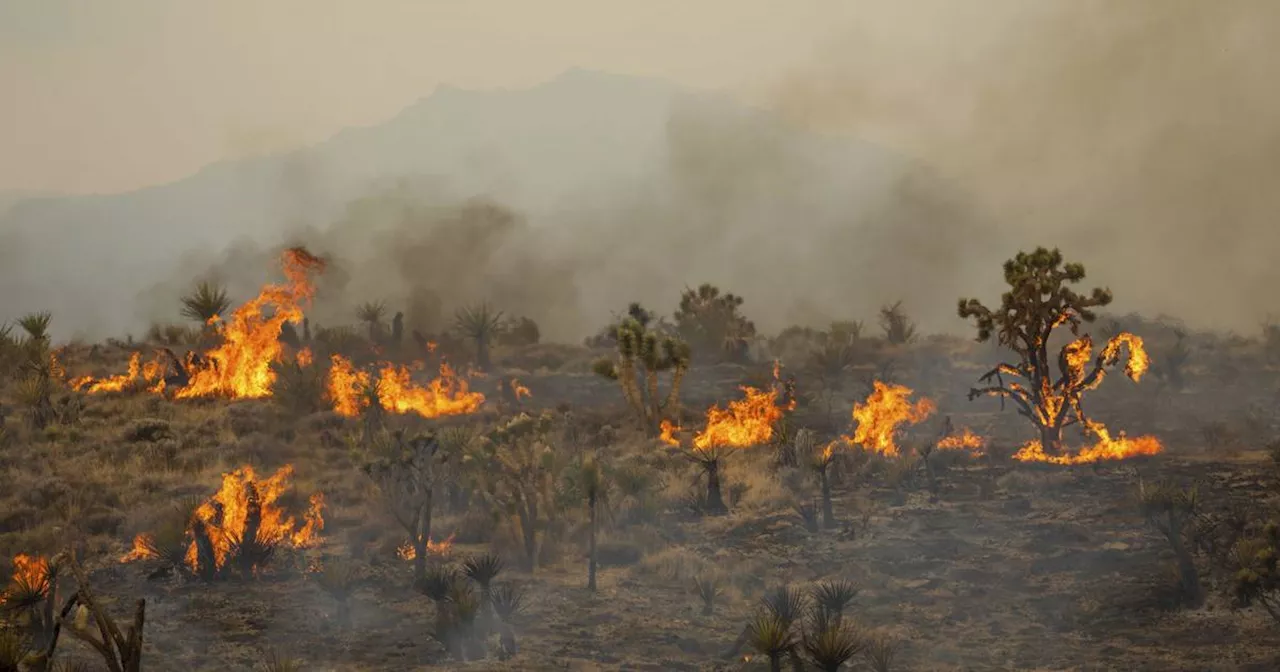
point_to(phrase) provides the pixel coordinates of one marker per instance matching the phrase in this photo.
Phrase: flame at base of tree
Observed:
(879, 418)
(1106, 449)
(436, 548)
(445, 395)
(245, 509)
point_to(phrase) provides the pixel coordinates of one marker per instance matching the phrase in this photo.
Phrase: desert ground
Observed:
(965, 559)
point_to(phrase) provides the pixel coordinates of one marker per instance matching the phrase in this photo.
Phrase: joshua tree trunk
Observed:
(715, 502)
(828, 515)
(775, 662)
(527, 512)
(591, 560)
(420, 536)
(1051, 439)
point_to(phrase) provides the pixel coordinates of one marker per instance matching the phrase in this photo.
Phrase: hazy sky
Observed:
(110, 96)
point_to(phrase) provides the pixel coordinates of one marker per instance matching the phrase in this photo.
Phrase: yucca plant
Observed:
(207, 301)
(786, 602)
(833, 597)
(771, 636)
(35, 394)
(507, 602)
(372, 313)
(338, 579)
(481, 324)
(483, 569)
(36, 325)
(708, 588)
(880, 651)
(832, 644)
(438, 582)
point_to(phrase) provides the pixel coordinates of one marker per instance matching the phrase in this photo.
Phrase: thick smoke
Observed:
(1141, 137)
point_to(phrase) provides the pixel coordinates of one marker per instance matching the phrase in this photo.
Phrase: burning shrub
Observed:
(1038, 302)
(28, 601)
(392, 388)
(711, 323)
(240, 528)
(642, 355)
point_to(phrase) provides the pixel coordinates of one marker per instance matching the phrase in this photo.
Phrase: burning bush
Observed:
(353, 391)
(240, 528)
(1038, 302)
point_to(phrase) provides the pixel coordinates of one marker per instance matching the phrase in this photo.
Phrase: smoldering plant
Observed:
(641, 356)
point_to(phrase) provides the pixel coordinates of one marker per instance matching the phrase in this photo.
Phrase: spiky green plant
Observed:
(508, 603)
(833, 597)
(483, 569)
(898, 328)
(771, 636)
(481, 324)
(830, 645)
(207, 301)
(1171, 510)
(880, 651)
(643, 354)
(787, 603)
(36, 325)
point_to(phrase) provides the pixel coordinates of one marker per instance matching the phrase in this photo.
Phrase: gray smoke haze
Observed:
(921, 146)
(1142, 137)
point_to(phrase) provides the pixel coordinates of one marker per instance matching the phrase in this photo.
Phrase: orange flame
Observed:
(438, 548)
(965, 440)
(304, 357)
(746, 422)
(519, 390)
(1106, 449)
(241, 366)
(151, 373)
(29, 571)
(224, 517)
(884, 411)
(446, 395)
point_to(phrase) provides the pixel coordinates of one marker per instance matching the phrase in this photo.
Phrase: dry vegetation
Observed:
(256, 492)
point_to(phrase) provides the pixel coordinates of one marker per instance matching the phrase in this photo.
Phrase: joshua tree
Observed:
(897, 327)
(406, 471)
(642, 354)
(1039, 301)
(519, 469)
(372, 314)
(710, 322)
(206, 302)
(120, 650)
(481, 324)
(593, 487)
(1172, 510)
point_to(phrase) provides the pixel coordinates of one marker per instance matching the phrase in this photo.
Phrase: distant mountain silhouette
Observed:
(538, 151)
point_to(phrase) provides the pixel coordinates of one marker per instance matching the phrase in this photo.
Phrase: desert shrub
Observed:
(896, 325)
(338, 579)
(708, 587)
(407, 471)
(1171, 510)
(519, 332)
(520, 471)
(1170, 364)
(172, 334)
(147, 429)
(301, 386)
(711, 323)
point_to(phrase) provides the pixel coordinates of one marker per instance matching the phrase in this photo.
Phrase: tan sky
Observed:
(109, 96)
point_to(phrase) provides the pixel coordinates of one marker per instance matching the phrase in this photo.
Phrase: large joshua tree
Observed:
(1038, 302)
(642, 355)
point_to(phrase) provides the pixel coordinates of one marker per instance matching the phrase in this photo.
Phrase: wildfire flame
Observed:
(884, 411)
(964, 440)
(438, 548)
(29, 571)
(446, 395)
(1104, 450)
(519, 390)
(151, 374)
(746, 422)
(225, 515)
(241, 366)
